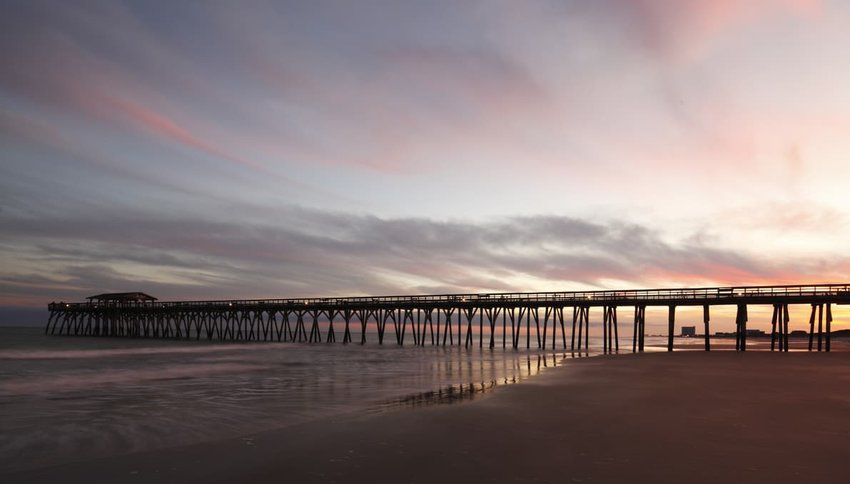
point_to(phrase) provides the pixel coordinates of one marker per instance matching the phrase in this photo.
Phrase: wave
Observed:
(76, 381)
(114, 352)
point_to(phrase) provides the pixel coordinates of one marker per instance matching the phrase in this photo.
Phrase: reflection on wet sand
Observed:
(521, 370)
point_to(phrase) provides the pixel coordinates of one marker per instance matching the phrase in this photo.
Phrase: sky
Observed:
(214, 149)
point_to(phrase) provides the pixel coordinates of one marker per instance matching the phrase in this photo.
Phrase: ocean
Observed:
(67, 398)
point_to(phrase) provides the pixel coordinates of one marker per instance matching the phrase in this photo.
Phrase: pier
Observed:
(510, 320)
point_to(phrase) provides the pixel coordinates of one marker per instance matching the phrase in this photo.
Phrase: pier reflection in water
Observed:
(521, 369)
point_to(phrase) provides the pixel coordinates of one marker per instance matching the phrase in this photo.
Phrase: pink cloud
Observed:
(160, 125)
(63, 75)
(683, 30)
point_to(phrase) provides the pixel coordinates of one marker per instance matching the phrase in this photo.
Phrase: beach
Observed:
(655, 417)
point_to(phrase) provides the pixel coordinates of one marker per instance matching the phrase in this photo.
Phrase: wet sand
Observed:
(681, 417)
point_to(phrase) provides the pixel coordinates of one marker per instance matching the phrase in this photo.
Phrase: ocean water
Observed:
(66, 398)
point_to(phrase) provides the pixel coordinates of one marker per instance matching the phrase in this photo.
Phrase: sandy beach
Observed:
(681, 417)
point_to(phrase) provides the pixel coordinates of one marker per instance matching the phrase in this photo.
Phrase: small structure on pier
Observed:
(689, 331)
(121, 298)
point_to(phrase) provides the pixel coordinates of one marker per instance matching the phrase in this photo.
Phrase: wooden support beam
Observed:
(773, 322)
(447, 329)
(642, 333)
(780, 322)
(51, 320)
(438, 328)
(300, 330)
(563, 330)
(573, 332)
(492, 316)
(315, 334)
(741, 320)
(635, 329)
(515, 328)
(363, 316)
(459, 318)
(504, 326)
(605, 315)
(288, 326)
(414, 326)
(247, 321)
(275, 328)
(434, 340)
(537, 323)
(580, 326)
(381, 317)
(331, 336)
(787, 320)
(828, 325)
(481, 328)
(706, 317)
(263, 327)
(400, 325)
(671, 326)
(610, 333)
(346, 335)
(470, 315)
(812, 325)
(587, 328)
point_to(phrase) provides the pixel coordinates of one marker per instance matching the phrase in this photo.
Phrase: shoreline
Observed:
(655, 417)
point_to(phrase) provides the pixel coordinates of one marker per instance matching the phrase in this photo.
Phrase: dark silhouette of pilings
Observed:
(741, 328)
(779, 327)
(610, 337)
(583, 315)
(818, 308)
(671, 326)
(639, 329)
(436, 320)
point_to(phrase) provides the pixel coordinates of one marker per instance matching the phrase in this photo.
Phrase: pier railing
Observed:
(650, 297)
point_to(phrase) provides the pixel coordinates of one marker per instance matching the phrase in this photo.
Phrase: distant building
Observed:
(689, 330)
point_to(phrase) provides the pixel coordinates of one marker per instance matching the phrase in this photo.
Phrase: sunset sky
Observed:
(271, 149)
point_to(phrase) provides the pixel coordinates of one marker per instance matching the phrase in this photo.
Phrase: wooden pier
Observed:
(516, 320)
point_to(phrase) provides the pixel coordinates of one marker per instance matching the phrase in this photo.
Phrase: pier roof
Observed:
(123, 297)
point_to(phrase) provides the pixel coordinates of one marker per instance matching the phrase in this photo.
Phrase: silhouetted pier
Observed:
(512, 320)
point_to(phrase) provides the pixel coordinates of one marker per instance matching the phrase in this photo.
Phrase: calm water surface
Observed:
(69, 398)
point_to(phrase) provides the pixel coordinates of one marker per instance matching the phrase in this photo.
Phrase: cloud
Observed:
(314, 253)
(56, 65)
(684, 30)
(166, 128)
(599, 109)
